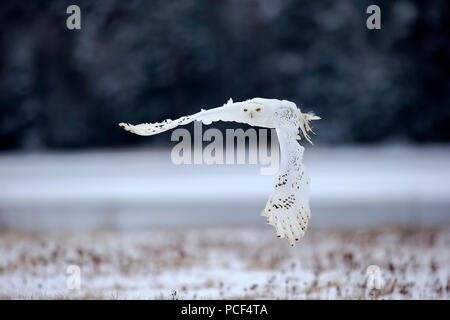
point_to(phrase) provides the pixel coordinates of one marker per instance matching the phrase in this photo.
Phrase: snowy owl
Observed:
(288, 206)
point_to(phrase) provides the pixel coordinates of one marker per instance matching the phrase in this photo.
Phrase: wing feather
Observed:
(288, 206)
(227, 112)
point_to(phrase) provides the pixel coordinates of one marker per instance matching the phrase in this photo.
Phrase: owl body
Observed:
(288, 206)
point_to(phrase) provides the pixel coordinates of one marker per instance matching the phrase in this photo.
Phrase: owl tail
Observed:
(304, 123)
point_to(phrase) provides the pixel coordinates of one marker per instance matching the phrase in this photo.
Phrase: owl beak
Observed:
(251, 114)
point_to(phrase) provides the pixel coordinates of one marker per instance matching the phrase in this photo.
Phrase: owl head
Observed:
(253, 110)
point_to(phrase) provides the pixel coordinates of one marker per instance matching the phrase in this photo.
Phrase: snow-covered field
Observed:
(139, 226)
(222, 263)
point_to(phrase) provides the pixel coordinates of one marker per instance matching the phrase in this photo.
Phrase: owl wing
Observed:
(228, 112)
(288, 206)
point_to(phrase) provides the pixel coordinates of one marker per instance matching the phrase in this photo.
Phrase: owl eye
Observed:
(245, 110)
(258, 109)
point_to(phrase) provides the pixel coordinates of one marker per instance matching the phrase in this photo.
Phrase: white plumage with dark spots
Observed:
(288, 206)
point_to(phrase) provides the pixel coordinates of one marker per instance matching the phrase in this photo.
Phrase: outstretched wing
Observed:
(288, 206)
(228, 112)
(149, 129)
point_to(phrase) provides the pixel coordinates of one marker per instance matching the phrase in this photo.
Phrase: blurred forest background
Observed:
(144, 61)
(77, 189)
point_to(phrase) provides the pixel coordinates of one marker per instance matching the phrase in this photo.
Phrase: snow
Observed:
(222, 263)
(139, 188)
(140, 227)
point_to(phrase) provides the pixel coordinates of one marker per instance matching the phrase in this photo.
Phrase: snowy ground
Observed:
(141, 227)
(223, 263)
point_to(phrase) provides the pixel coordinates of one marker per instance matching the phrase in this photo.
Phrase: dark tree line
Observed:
(137, 61)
